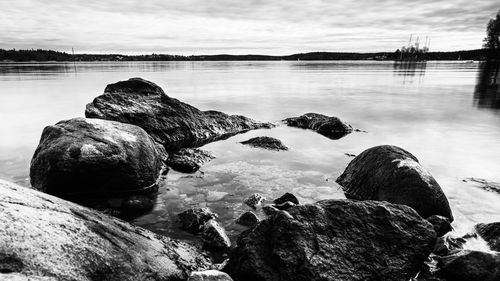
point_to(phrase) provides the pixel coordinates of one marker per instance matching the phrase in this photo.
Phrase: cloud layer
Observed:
(241, 27)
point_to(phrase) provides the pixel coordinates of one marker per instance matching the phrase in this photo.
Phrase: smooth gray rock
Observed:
(169, 121)
(214, 236)
(392, 174)
(209, 275)
(188, 160)
(194, 219)
(331, 127)
(43, 237)
(334, 240)
(266, 143)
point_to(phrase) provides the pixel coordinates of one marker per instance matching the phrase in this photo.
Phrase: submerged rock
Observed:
(484, 184)
(169, 121)
(254, 200)
(470, 266)
(266, 143)
(287, 197)
(247, 219)
(193, 220)
(334, 240)
(441, 224)
(490, 233)
(214, 236)
(189, 160)
(392, 174)
(331, 127)
(81, 158)
(209, 275)
(46, 238)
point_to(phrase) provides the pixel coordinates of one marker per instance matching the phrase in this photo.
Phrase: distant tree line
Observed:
(49, 55)
(492, 40)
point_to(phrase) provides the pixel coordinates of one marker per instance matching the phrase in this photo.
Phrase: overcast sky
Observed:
(241, 26)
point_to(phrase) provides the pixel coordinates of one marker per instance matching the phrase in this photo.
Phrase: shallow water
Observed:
(445, 113)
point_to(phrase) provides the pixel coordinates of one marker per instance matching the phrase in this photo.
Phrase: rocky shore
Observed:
(90, 173)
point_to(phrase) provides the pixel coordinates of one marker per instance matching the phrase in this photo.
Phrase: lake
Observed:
(447, 114)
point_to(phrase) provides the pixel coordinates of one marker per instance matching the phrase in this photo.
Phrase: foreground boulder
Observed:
(470, 266)
(214, 236)
(171, 122)
(331, 127)
(392, 174)
(189, 160)
(194, 219)
(46, 238)
(266, 143)
(334, 240)
(96, 158)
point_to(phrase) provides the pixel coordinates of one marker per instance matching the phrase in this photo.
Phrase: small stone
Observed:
(209, 275)
(441, 224)
(266, 143)
(193, 220)
(189, 160)
(255, 200)
(287, 197)
(214, 236)
(248, 219)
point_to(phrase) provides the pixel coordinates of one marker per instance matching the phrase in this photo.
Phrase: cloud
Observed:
(252, 26)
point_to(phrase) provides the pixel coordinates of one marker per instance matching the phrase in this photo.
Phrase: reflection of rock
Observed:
(266, 143)
(331, 127)
(484, 184)
(189, 160)
(169, 121)
(389, 173)
(247, 219)
(441, 224)
(254, 200)
(490, 233)
(209, 275)
(487, 91)
(46, 238)
(470, 266)
(97, 159)
(334, 240)
(193, 220)
(214, 236)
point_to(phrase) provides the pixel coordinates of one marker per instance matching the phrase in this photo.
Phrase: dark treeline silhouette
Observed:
(487, 91)
(48, 55)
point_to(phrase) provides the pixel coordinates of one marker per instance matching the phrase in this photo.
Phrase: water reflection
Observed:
(409, 70)
(487, 91)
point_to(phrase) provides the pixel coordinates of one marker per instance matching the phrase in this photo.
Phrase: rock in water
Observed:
(46, 238)
(441, 224)
(193, 220)
(189, 160)
(255, 200)
(266, 143)
(171, 122)
(490, 233)
(247, 219)
(96, 158)
(209, 275)
(470, 266)
(214, 236)
(331, 127)
(287, 197)
(392, 174)
(334, 240)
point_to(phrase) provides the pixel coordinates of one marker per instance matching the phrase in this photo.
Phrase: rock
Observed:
(269, 210)
(84, 158)
(209, 275)
(169, 121)
(334, 240)
(441, 224)
(447, 245)
(470, 266)
(266, 143)
(189, 160)
(193, 220)
(330, 127)
(255, 200)
(389, 173)
(484, 184)
(490, 233)
(247, 219)
(287, 197)
(43, 237)
(284, 206)
(214, 236)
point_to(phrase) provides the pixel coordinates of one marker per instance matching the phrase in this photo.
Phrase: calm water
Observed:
(445, 113)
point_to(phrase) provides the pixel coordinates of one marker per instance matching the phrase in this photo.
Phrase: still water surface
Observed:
(445, 113)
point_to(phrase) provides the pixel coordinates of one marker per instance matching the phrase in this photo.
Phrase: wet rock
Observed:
(269, 210)
(470, 266)
(247, 219)
(287, 197)
(189, 160)
(284, 206)
(334, 240)
(169, 121)
(209, 275)
(441, 224)
(266, 143)
(81, 158)
(484, 184)
(331, 127)
(193, 220)
(490, 233)
(214, 236)
(389, 173)
(43, 237)
(254, 200)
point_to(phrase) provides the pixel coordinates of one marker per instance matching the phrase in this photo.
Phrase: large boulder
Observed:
(334, 240)
(470, 265)
(392, 174)
(46, 238)
(330, 127)
(90, 158)
(171, 122)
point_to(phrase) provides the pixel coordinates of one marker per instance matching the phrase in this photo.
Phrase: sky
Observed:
(273, 27)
